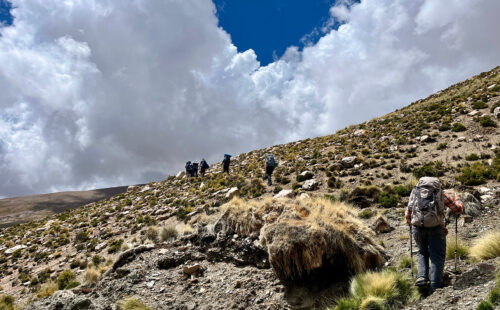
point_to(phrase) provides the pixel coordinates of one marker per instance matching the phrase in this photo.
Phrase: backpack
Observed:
(204, 164)
(188, 165)
(271, 160)
(427, 203)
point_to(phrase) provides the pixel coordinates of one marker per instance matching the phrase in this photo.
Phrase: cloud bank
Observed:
(103, 93)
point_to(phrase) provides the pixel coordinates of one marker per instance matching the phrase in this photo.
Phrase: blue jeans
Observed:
(431, 244)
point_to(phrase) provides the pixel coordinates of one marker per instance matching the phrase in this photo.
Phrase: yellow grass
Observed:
(486, 247)
(301, 234)
(93, 274)
(46, 289)
(132, 303)
(463, 249)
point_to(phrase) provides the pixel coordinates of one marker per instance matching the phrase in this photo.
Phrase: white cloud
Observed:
(100, 93)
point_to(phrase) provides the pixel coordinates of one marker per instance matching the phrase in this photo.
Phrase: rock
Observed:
(129, 255)
(465, 219)
(285, 193)
(496, 112)
(424, 138)
(180, 174)
(310, 185)
(304, 196)
(191, 269)
(479, 274)
(485, 191)
(472, 206)
(381, 226)
(461, 139)
(15, 248)
(486, 198)
(233, 192)
(349, 162)
(473, 113)
(307, 175)
(359, 132)
(491, 86)
(131, 188)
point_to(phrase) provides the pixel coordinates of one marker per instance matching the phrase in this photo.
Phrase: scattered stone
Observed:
(473, 113)
(496, 112)
(191, 269)
(180, 174)
(15, 248)
(461, 139)
(349, 162)
(381, 225)
(131, 188)
(307, 175)
(285, 193)
(233, 192)
(310, 185)
(424, 138)
(359, 132)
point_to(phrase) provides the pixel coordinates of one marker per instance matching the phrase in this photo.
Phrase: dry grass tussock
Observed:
(486, 247)
(93, 274)
(132, 303)
(378, 290)
(304, 235)
(47, 289)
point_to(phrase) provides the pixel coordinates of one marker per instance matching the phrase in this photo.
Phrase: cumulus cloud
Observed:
(103, 92)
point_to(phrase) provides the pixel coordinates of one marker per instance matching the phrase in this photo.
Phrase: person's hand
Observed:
(445, 231)
(408, 221)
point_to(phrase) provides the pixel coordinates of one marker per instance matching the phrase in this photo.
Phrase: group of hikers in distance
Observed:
(192, 167)
(425, 215)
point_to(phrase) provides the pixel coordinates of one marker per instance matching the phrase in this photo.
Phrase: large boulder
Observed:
(349, 161)
(310, 185)
(381, 226)
(233, 192)
(288, 193)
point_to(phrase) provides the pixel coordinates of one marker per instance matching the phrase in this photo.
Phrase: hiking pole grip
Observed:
(411, 251)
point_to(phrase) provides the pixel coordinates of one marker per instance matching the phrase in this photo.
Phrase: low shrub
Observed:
(7, 303)
(479, 105)
(430, 169)
(442, 146)
(485, 305)
(486, 121)
(486, 247)
(388, 200)
(458, 127)
(168, 233)
(66, 280)
(46, 290)
(472, 157)
(476, 174)
(115, 246)
(366, 214)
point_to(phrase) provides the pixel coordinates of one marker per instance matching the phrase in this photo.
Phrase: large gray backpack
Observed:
(427, 203)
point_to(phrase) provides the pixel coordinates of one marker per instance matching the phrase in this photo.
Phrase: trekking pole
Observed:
(411, 251)
(456, 241)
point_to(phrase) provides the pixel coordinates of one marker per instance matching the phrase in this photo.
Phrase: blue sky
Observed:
(5, 17)
(270, 26)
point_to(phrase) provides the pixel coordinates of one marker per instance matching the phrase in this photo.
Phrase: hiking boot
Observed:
(421, 281)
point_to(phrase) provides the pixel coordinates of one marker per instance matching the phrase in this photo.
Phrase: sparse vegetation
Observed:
(378, 290)
(132, 303)
(462, 248)
(66, 280)
(458, 127)
(7, 303)
(486, 247)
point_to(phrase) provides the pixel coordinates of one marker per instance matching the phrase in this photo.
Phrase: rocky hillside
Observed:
(176, 245)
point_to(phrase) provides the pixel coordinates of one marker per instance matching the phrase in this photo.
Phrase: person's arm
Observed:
(456, 204)
(408, 209)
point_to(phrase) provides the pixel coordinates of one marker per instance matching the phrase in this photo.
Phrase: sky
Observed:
(100, 93)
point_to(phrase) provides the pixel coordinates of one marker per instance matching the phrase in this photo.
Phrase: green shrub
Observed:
(458, 127)
(65, 279)
(132, 303)
(115, 246)
(476, 174)
(366, 214)
(479, 105)
(388, 200)
(486, 121)
(431, 169)
(472, 157)
(403, 190)
(334, 183)
(7, 303)
(494, 295)
(296, 186)
(485, 305)
(442, 146)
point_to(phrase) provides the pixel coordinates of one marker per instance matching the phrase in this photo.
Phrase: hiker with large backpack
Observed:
(425, 214)
(189, 168)
(194, 170)
(271, 164)
(203, 167)
(225, 163)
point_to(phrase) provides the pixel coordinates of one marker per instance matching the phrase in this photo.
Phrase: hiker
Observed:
(225, 163)
(188, 167)
(271, 163)
(425, 213)
(203, 167)
(194, 170)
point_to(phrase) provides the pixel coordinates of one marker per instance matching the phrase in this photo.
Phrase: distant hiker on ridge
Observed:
(203, 167)
(194, 170)
(189, 168)
(271, 163)
(425, 213)
(225, 163)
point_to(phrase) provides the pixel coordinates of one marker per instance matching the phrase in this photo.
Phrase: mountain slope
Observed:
(451, 134)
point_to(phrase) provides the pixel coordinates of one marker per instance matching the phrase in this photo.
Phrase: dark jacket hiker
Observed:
(225, 163)
(271, 164)
(425, 212)
(203, 167)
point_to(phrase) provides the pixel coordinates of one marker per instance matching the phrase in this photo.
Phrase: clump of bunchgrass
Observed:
(463, 250)
(132, 303)
(486, 247)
